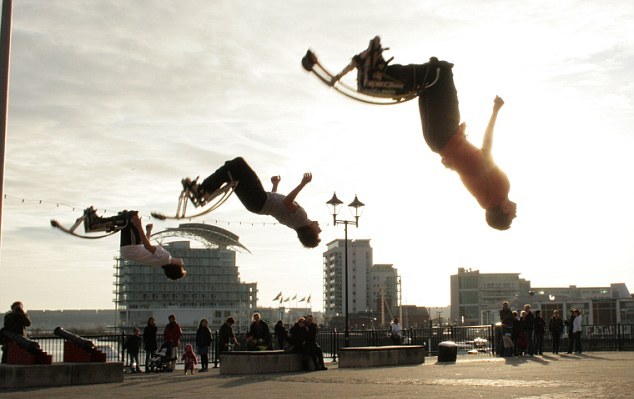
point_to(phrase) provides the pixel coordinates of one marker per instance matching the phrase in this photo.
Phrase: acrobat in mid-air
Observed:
(380, 82)
(237, 175)
(135, 242)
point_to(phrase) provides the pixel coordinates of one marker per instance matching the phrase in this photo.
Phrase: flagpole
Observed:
(5, 52)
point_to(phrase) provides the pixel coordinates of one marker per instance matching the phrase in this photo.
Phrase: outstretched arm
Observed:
(487, 141)
(275, 180)
(289, 201)
(136, 221)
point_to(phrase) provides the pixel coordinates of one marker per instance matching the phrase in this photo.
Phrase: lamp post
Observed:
(356, 207)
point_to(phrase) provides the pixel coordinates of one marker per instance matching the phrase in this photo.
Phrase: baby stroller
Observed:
(161, 360)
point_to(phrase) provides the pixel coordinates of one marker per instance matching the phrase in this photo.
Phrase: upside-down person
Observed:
(255, 199)
(135, 242)
(442, 130)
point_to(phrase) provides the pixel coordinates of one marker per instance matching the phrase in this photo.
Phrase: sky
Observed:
(112, 103)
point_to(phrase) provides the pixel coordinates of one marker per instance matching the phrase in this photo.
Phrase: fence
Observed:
(472, 340)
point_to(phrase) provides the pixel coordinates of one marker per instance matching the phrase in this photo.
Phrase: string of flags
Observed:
(279, 297)
(74, 208)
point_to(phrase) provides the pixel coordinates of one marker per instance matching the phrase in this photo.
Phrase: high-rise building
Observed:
(383, 291)
(212, 288)
(359, 264)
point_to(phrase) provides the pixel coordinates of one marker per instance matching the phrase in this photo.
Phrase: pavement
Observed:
(592, 375)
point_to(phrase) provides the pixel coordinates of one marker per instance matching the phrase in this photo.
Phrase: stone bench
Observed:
(371, 356)
(260, 362)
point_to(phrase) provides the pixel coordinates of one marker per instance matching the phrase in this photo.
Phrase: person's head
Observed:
(136, 331)
(171, 318)
(189, 348)
(501, 216)
(573, 310)
(256, 316)
(203, 323)
(17, 305)
(522, 314)
(527, 307)
(396, 320)
(515, 314)
(556, 313)
(280, 322)
(230, 321)
(505, 305)
(309, 235)
(309, 319)
(538, 313)
(175, 270)
(577, 312)
(151, 321)
(301, 321)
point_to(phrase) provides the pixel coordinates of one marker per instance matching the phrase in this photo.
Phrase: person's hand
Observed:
(498, 103)
(308, 177)
(276, 179)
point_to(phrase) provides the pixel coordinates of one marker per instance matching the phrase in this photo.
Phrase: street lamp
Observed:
(356, 207)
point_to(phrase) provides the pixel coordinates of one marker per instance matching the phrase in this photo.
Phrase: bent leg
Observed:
(249, 189)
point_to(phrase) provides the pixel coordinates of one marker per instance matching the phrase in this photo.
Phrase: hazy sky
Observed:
(113, 102)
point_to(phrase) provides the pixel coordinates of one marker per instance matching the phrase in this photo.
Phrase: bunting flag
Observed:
(288, 299)
(294, 298)
(278, 296)
(303, 299)
(308, 300)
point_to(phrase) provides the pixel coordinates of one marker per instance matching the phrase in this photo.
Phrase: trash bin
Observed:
(447, 351)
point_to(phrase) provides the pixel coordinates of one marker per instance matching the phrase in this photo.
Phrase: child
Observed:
(189, 357)
(132, 345)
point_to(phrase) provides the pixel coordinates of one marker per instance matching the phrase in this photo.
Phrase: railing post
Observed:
(216, 347)
(334, 345)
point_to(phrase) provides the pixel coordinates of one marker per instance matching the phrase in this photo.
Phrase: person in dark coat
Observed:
(297, 340)
(540, 329)
(312, 347)
(280, 334)
(203, 342)
(570, 324)
(226, 336)
(133, 344)
(15, 321)
(556, 328)
(149, 341)
(259, 333)
(528, 325)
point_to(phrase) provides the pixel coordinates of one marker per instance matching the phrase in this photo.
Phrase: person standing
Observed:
(312, 347)
(570, 323)
(297, 340)
(149, 341)
(226, 336)
(133, 344)
(172, 334)
(395, 332)
(15, 321)
(576, 331)
(280, 334)
(556, 328)
(528, 325)
(203, 342)
(540, 329)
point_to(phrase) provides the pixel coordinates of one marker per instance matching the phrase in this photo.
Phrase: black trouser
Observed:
(129, 234)
(539, 343)
(249, 189)
(571, 341)
(577, 341)
(438, 104)
(556, 337)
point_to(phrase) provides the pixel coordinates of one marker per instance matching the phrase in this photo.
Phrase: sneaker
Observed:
(92, 222)
(194, 192)
(370, 64)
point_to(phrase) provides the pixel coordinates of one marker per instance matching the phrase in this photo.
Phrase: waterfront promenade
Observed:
(592, 375)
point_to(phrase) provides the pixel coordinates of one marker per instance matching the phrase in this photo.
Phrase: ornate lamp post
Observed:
(356, 208)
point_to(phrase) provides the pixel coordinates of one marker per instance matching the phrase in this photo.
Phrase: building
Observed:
(212, 288)
(359, 264)
(373, 290)
(476, 298)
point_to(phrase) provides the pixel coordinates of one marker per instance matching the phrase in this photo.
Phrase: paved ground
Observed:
(592, 375)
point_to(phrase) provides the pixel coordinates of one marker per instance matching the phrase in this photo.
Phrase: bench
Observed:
(371, 356)
(260, 362)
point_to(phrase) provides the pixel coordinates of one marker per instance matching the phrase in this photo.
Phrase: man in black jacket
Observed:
(15, 321)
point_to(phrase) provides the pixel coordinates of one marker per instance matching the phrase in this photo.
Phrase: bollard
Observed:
(447, 351)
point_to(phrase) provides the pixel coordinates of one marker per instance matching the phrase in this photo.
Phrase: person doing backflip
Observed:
(135, 242)
(255, 199)
(442, 130)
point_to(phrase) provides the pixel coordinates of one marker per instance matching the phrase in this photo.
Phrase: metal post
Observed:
(5, 51)
(346, 341)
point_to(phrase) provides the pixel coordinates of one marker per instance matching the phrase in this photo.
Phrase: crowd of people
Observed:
(523, 332)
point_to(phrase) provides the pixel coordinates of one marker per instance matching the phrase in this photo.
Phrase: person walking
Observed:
(540, 330)
(576, 331)
(570, 323)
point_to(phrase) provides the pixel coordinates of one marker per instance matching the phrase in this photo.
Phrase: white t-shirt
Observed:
(274, 206)
(396, 328)
(138, 253)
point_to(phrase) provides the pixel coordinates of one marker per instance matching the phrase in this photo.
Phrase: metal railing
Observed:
(473, 340)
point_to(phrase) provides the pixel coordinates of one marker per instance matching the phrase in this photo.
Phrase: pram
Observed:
(162, 359)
